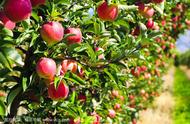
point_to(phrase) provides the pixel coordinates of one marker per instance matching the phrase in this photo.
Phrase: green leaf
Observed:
(35, 16)
(2, 108)
(73, 97)
(110, 75)
(154, 34)
(12, 94)
(13, 55)
(57, 81)
(77, 78)
(4, 61)
(65, 2)
(4, 72)
(142, 27)
(6, 32)
(25, 35)
(90, 52)
(122, 23)
(24, 83)
(26, 24)
(34, 37)
(80, 48)
(160, 8)
(74, 78)
(96, 28)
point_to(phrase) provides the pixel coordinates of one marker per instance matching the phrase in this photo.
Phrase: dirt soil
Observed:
(161, 111)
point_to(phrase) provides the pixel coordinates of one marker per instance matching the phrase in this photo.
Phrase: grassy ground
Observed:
(181, 111)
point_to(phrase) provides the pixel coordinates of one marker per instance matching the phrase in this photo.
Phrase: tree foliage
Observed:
(134, 59)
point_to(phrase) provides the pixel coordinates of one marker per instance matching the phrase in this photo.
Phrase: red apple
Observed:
(80, 72)
(175, 19)
(143, 68)
(52, 32)
(36, 3)
(136, 71)
(107, 12)
(17, 10)
(115, 93)
(69, 65)
(6, 21)
(172, 45)
(147, 75)
(158, 1)
(163, 22)
(82, 97)
(142, 92)
(97, 118)
(111, 113)
(134, 121)
(156, 27)
(117, 106)
(136, 31)
(74, 121)
(46, 68)
(146, 11)
(157, 71)
(150, 24)
(77, 35)
(187, 21)
(131, 97)
(141, 6)
(122, 98)
(60, 93)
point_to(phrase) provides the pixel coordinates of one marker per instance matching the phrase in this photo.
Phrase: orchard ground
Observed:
(172, 106)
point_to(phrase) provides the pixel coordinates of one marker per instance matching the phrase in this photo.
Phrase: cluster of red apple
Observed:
(138, 70)
(51, 32)
(46, 69)
(115, 94)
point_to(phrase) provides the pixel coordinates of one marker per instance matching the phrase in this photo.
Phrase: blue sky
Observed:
(183, 42)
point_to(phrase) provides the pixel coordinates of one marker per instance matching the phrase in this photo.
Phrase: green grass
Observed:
(181, 112)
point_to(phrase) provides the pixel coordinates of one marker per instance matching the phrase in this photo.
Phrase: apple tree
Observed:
(74, 61)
